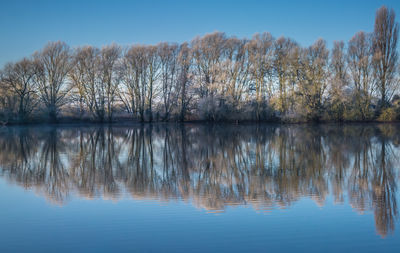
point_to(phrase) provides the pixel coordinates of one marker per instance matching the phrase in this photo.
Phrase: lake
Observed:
(200, 188)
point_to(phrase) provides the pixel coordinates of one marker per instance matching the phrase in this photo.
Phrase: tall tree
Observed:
(260, 50)
(52, 66)
(85, 79)
(281, 66)
(168, 60)
(338, 80)
(359, 58)
(184, 64)
(129, 90)
(137, 82)
(208, 53)
(109, 78)
(313, 79)
(236, 70)
(385, 37)
(152, 74)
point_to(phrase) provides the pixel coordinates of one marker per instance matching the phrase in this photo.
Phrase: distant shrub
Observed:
(292, 118)
(387, 115)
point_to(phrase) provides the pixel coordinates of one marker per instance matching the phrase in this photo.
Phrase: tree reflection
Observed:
(212, 166)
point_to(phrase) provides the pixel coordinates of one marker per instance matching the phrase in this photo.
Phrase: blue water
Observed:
(197, 188)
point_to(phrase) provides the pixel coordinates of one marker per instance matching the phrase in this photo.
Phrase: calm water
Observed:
(200, 188)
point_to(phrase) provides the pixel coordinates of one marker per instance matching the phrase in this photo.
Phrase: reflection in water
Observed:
(212, 166)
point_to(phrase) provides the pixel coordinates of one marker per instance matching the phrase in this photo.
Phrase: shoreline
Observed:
(199, 122)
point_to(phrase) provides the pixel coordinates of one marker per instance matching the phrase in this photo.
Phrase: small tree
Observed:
(19, 79)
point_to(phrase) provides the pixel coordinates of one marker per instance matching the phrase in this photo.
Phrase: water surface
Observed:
(167, 187)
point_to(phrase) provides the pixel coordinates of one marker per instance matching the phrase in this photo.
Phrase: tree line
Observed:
(215, 77)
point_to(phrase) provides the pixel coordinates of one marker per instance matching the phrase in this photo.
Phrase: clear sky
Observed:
(26, 26)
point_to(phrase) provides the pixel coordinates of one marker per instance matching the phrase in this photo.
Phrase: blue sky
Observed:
(26, 26)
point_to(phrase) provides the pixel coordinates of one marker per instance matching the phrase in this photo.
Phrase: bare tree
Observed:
(7, 101)
(184, 64)
(313, 79)
(95, 78)
(52, 66)
(140, 74)
(129, 92)
(109, 79)
(84, 78)
(282, 68)
(152, 74)
(260, 50)
(19, 79)
(385, 37)
(360, 65)
(236, 70)
(77, 78)
(338, 80)
(208, 52)
(169, 68)
(136, 78)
